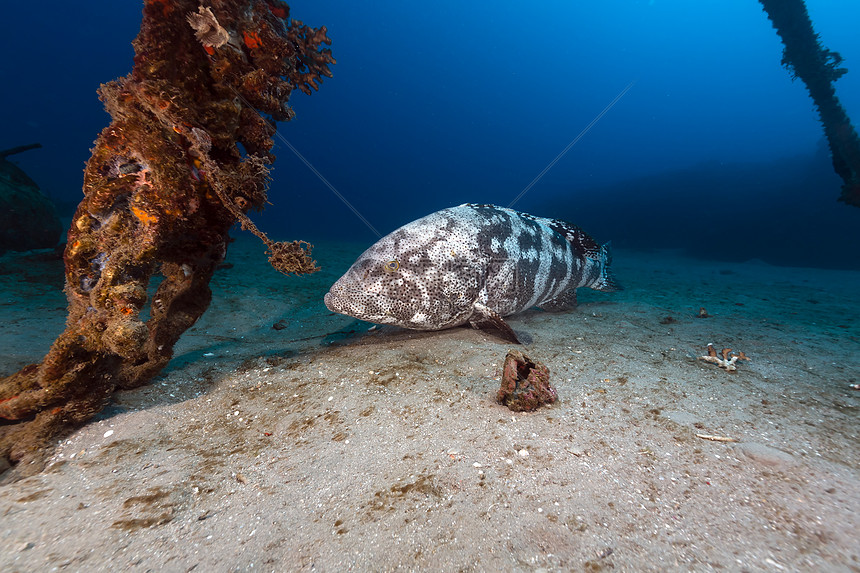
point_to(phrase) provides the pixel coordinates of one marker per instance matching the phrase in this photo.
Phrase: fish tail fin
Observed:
(606, 282)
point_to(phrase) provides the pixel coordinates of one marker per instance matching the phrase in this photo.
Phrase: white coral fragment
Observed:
(728, 359)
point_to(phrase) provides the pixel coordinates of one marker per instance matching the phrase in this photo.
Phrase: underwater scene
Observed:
(469, 286)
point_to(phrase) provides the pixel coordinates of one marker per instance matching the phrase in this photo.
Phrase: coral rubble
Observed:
(183, 159)
(525, 384)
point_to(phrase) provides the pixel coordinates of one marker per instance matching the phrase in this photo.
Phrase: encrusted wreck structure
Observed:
(184, 158)
(819, 68)
(28, 219)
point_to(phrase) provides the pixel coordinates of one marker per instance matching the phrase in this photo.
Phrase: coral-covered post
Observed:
(166, 181)
(818, 67)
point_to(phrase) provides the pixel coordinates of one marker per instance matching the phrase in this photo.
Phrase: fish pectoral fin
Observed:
(490, 321)
(564, 301)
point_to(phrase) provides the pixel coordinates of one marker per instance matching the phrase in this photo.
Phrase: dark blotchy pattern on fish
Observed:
(472, 263)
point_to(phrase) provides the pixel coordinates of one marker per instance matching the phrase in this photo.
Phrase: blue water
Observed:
(713, 149)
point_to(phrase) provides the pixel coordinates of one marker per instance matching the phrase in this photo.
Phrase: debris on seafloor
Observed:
(728, 359)
(525, 384)
(714, 438)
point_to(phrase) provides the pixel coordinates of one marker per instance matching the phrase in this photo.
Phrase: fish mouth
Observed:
(329, 301)
(335, 304)
(357, 311)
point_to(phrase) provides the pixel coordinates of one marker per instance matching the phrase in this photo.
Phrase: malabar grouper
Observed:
(471, 264)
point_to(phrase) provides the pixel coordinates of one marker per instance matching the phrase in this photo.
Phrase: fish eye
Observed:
(391, 266)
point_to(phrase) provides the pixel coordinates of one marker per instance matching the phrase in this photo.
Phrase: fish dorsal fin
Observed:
(481, 206)
(581, 241)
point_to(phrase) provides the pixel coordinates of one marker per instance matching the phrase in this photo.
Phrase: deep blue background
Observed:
(714, 149)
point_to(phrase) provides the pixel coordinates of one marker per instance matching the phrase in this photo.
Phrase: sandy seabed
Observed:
(321, 445)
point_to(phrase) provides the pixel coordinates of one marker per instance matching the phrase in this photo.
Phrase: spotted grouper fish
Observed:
(471, 264)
